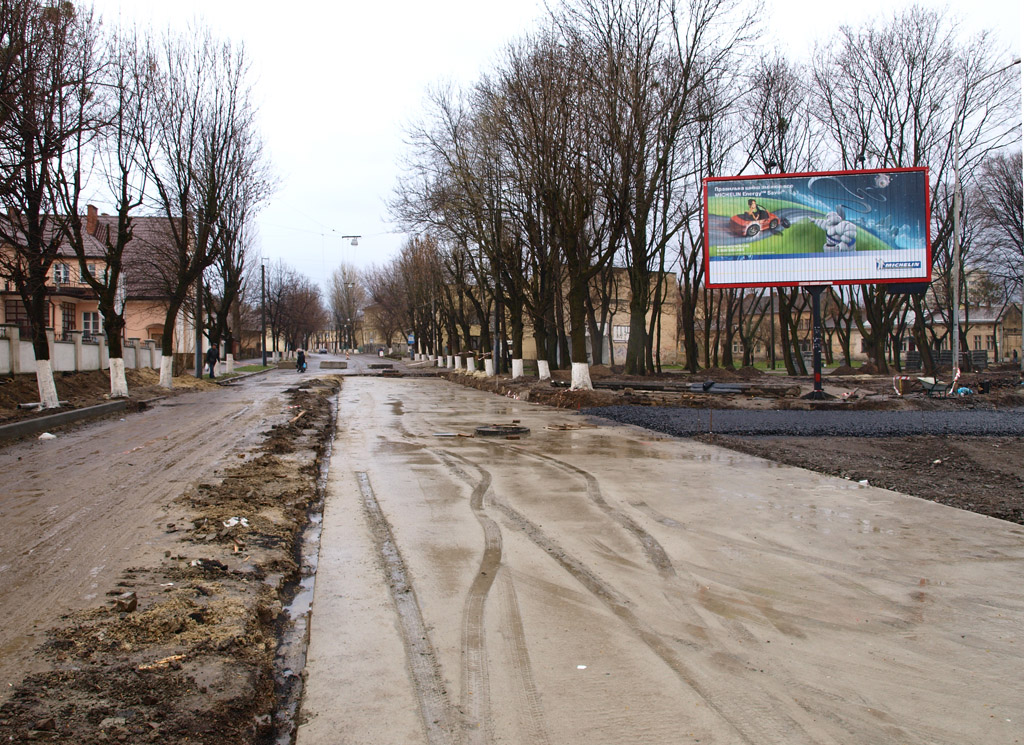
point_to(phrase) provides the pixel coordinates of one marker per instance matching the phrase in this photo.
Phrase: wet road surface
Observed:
(607, 584)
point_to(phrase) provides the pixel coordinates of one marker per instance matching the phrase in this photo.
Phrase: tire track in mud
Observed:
(655, 552)
(515, 641)
(435, 709)
(475, 682)
(476, 695)
(749, 714)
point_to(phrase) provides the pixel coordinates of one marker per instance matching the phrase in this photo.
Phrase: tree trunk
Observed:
(113, 327)
(167, 343)
(577, 316)
(44, 368)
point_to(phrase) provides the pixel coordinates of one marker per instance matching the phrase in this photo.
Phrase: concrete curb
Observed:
(241, 376)
(41, 424)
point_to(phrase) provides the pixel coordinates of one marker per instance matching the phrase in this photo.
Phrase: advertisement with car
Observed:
(843, 227)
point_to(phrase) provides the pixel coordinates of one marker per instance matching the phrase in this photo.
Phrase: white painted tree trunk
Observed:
(451, 362)
(229, 364)
(543, 370)
(517, 368)
(47, 388)
(489, 367)
(581, 377)
(167, 372)
(458, 362)
(118, 381)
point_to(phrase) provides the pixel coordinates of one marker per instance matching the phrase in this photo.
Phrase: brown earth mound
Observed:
(80, 389)
(183, 652)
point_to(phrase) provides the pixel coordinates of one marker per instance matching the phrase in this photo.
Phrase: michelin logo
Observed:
(897, 265)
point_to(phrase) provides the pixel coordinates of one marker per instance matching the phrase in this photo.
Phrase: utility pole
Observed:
(263, 311)
(955, 371)
(199, 327)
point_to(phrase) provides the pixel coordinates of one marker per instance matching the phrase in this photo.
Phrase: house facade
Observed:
(73, 309)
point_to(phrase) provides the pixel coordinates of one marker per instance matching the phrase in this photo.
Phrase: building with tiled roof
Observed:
(146, 268)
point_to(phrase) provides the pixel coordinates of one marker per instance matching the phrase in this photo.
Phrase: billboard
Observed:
(843, 227)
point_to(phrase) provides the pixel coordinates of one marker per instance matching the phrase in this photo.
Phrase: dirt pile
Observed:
(183, 651)
(81, 389)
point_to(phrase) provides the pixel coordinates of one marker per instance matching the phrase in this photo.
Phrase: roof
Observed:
(93, 248)
(148, 258)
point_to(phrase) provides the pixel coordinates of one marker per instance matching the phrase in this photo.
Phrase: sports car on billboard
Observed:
(750, 225)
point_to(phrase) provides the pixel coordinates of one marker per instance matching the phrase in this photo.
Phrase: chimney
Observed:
(91, 219)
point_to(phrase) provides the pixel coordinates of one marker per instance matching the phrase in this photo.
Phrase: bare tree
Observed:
(302, 313)
(649, 62)
(387, 293)
(280, 278)
(47, 84)
(346, 297)
(998, 205)
(903, 94)
(202, 151)
(124, 111)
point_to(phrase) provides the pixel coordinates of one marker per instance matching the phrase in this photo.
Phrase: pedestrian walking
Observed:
(212, 358)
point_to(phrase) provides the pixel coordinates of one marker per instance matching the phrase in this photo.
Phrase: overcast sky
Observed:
(339, 82)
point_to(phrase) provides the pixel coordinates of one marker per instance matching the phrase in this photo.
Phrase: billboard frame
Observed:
(708, 274)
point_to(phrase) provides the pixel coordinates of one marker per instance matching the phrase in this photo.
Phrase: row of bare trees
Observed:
(158, 125)
(293, 305)
(579, 159)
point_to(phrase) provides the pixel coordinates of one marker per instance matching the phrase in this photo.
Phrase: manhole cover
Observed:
(501, 430)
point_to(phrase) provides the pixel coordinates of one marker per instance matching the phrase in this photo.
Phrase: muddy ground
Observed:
(77, 390)
(979, 474)
(182, 651)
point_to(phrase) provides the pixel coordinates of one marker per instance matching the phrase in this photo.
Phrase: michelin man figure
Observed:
(840, 233)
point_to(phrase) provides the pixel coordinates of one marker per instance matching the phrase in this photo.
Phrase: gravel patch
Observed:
(683, 422)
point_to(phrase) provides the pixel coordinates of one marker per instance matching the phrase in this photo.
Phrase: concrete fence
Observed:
(17, 355)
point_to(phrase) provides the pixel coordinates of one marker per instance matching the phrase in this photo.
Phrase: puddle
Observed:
(293, 631)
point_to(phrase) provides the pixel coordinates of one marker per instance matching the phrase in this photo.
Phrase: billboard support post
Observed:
(817, 394)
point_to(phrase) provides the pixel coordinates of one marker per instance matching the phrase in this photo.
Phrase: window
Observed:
(91, 323)
(15, 313)
(67, 319)
(620, 333)
(977, 341)
(61, 274)
(990, 342)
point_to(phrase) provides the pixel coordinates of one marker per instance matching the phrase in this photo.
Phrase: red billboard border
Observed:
(773, 176)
